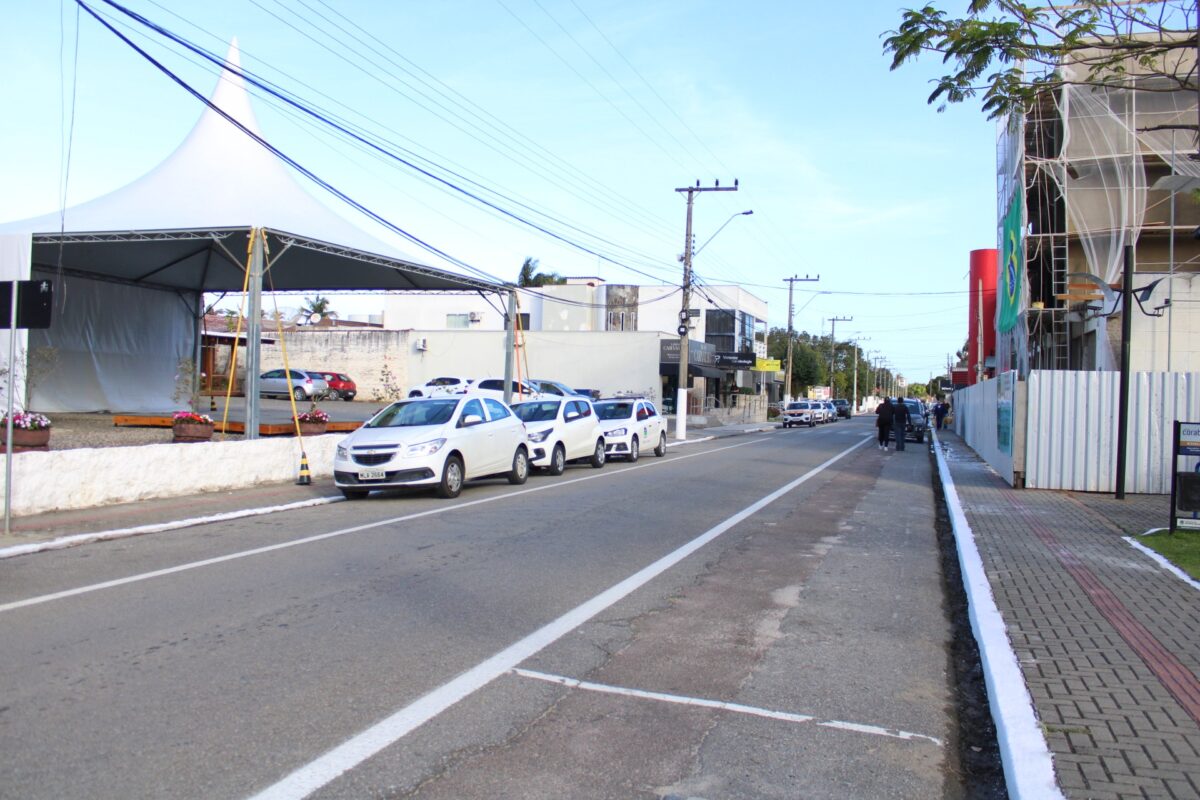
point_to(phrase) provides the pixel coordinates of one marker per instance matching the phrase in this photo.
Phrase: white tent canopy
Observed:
(155, 245)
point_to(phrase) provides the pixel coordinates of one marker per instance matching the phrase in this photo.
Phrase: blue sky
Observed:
(609, 107)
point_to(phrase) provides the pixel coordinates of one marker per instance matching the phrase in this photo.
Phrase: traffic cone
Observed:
(305, 475)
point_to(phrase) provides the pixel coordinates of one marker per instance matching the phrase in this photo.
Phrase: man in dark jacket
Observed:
(883, 421)
(899, 421)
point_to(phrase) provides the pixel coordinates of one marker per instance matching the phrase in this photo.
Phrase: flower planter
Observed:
(24, 440)
(312, 428)
(192, 431)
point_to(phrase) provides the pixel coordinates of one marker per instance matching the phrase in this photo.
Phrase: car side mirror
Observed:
(469, 420)
(570, 416)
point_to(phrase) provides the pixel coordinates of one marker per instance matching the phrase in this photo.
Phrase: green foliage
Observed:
(1181, 548)
(529, 276)
(318, 305)
(1012, 51)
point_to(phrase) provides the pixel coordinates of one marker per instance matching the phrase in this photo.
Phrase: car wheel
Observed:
(787, 424)
(348, 397)
(558, 460)
(452, 478)
(298, 393)
(921, 439)
(355, 494)
(661, 450)
(812, 424)
(520, 467)
(332, 394)
(597, 459)
(634, 450)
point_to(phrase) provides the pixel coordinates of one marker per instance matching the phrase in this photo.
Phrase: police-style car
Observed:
(629, 424)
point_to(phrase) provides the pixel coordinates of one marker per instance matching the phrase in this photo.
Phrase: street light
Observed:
(731, 219)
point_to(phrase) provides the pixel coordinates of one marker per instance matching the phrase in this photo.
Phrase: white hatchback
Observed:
(437, 441)
(629, 424)
(562, 429)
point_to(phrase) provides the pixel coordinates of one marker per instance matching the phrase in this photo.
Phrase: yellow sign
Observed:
(767, 365)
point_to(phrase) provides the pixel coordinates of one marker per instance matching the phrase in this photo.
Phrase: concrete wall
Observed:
(60, 480)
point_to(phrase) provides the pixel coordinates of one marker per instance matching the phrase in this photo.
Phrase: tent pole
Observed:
(253, 333)
(509, 344)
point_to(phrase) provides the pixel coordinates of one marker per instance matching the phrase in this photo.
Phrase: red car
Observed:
(340, 385)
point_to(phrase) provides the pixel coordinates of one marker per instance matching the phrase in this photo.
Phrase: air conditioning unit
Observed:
(475, 316)
(422, 344)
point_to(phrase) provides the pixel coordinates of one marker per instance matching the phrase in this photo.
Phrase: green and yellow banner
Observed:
(1013, 266)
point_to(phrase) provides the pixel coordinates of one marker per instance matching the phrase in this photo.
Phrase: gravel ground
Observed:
(69, 431)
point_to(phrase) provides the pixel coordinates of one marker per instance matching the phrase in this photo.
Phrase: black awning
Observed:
(695, 370)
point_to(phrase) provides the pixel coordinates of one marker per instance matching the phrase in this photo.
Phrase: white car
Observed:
(628, 424)
(436, 441)
(557, 387)
(798, 412)
(440, 386)
(522, 391)
(562, 429)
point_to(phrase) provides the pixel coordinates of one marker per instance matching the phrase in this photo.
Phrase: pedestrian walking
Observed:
(940, 411)
(883, 421)
(900, 421)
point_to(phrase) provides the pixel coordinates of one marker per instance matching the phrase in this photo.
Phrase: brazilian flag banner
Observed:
(1013, 266)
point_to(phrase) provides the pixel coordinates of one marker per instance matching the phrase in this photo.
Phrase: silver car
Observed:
(302, 385)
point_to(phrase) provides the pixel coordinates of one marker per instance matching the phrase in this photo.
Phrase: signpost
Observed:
(1185, 486)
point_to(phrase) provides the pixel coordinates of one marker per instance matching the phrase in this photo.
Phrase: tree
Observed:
(529, 276)
(1014, 51)
(318, 305)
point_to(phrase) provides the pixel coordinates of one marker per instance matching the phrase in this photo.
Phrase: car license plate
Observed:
(372, 474)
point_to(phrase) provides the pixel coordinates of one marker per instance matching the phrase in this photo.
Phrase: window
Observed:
(523, 321)
(275, 373)
(653, 411)
(496, 409)
(458, 321)
(492, 384)
(642, 413)
(472, 407)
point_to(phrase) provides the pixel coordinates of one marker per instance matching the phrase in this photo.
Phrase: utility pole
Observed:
(681, 392)
(832, 351)
(787, 372)
(854, 391)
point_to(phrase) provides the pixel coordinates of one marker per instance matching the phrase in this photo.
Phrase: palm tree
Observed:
(318, 305)
(529, 276)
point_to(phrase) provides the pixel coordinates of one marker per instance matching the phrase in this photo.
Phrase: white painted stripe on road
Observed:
(1162, 562)
(121, 533)
(1028, 765)
(208, 562)
(311, 777)
(738, 708)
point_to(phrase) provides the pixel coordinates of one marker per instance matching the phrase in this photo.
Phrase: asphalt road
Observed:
(410, 646)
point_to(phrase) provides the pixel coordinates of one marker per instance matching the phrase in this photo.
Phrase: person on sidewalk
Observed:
(940, 411)
(900, 422)
(883, 421)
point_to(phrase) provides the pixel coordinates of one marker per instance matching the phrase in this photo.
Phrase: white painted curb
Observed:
(1162, 562)
(1028, 763)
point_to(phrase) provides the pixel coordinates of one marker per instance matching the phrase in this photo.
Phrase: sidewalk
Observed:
(36, 532)
(1107, 641)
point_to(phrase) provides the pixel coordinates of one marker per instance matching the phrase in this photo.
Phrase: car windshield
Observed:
(537, 411)
(614, 410)
(797, 406)
(413, 414)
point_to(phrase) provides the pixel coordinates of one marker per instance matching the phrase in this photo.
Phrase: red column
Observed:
(983, 288)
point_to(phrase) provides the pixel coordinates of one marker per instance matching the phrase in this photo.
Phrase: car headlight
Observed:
(424, 448)
(343, 452)
(540, 436)
(618, 432)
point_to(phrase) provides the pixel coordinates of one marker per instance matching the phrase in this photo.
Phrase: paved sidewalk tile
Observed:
(1107, 640)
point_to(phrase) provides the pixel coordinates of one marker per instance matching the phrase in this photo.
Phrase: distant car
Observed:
(629, 424)
(302, 385)
(831, 414)
(918, 423)
(438, 441)
(522, 391)
(341, 385)
(562, 429)
(843, 407)
(798, 412)
(437, 386)
(557, 388)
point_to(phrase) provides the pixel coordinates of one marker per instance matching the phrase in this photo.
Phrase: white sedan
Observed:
(561, 430)
(628, 424)
(439, 441)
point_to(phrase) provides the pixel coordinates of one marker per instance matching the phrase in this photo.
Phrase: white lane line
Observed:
(1024, 754)
(158, 527)
(312, 776)
(208, 562)
(738, 708)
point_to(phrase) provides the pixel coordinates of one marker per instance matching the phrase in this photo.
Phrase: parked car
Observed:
(341, 385)
(438, 441)
(302, 385)
(628, 423)
(560, 430)
(831, 414)
(843, 407)
(436, 386)
(798, 412)
(918, 423)
(522, 391)
(557, 388)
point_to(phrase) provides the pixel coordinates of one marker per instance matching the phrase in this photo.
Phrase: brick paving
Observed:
(1108, 641)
